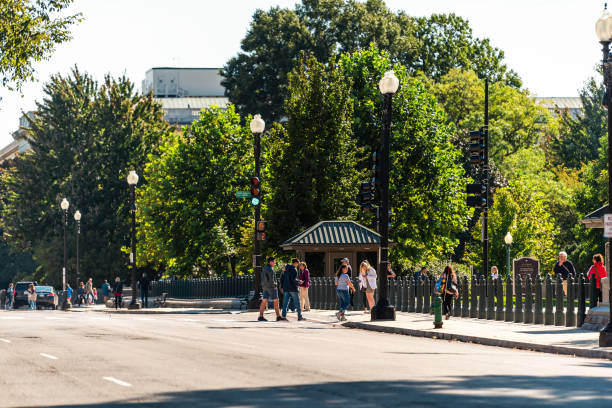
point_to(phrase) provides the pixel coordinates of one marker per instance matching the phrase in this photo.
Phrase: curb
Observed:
(486, 341)
(172, 311)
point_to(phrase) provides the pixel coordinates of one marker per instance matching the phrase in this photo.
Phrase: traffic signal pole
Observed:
(485, 181)
(255, 301)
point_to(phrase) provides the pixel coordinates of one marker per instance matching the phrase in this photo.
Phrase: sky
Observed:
(550, 43)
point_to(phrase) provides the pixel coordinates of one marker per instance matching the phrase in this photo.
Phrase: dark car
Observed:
(21, 299)
(46, 297)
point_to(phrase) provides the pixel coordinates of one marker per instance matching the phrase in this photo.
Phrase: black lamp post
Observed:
(132, 180)
(383, 310)
(77, 218)
(64, 205)
(257, 127)
(603, 27)
(508, 240)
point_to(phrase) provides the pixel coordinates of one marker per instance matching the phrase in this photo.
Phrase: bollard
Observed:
(427, 295)
(528, 313)
(482, 298)
(437, 312)
(490, 300)
(457, 303)
(518, 307)
(538, 314)
(593, 292)
(559, 307)
(499, 294)
(358, 298)
(508, 312)
(419, 296)
(411, 296)
(549, 317)
(581, 302)
(570, 316)
(473, 298)
(465, 301)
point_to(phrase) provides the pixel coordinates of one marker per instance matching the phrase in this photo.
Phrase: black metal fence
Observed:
(534, 302)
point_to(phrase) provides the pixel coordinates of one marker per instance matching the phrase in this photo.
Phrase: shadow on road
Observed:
(491, 391)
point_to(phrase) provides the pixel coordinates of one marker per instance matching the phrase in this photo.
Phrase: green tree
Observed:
(29, 31)
(256, 79)
(85, 138)
(190, 216)
(311, 163)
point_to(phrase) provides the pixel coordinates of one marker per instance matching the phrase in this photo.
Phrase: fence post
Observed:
(490, 299)
(426, 295)
(411, 295)
(549, 317)
(559, 307)
(570, 317)
(465, 301)
(528, 313)
(518, 306)
(473, 298)
(457, 300)
(581, 302)
(593, 287)
(482, 297)
(402, 294)
(538, 314)
(499, 297)
(419, 297)
(508, 313)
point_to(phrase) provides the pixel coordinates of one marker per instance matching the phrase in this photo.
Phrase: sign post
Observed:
(607, 225)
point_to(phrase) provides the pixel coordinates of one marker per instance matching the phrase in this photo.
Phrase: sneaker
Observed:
(280, 318)
(301, 318)
(262, 319)
(338, 315)
(343, 318)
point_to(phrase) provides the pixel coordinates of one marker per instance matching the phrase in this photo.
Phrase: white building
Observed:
(20, 143)
(556, 104)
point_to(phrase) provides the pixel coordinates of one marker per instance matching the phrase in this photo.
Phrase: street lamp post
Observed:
(132, 180)
(508, 241)
(77, 218)
(64, 205)
(603, 28)
(383, 310)
(257, 127)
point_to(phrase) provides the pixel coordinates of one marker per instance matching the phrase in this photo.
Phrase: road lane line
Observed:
(49, 356)
(118, 382)
(5, 340)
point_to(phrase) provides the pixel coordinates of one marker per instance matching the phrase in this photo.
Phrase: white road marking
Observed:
(116, 381)
(5, 340)
(49, 356)
(11, 317)
(56, 318)
(143, 318)
(188, 320)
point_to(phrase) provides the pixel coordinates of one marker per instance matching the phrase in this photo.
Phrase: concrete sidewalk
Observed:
(547, 339)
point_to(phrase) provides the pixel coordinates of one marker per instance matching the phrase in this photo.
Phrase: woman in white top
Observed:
(367, 276)
(494, 272)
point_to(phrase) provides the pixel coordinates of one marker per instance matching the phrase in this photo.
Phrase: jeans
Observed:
(296, 301)
(33, 304)
(144, 297)
(10, 302)
(345, 299)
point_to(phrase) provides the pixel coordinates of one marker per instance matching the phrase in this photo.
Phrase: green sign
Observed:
(243, 194)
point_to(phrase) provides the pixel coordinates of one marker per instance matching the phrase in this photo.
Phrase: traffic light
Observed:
(255, 191)
(479, 199)
(477, 146)
(376, 168)
(261, 230)
(366, 196)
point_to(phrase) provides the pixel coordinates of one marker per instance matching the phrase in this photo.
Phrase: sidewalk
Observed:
(546, 339)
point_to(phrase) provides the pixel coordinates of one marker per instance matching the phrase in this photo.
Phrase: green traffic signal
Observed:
(255, 201)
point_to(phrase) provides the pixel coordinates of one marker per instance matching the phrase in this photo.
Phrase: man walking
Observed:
(270, 291)
(106, 288)
(289, 284)
(564, 268)
(10, 297)
(145, 283)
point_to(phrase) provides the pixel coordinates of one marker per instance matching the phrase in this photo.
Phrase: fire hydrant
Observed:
(437, 306)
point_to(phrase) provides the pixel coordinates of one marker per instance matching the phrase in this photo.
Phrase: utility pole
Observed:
(257, 128)
(485, 181)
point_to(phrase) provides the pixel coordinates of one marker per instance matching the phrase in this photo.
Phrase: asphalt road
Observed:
(89, 359)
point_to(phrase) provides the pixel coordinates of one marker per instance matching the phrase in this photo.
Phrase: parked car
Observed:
(46, 297)
(21, 299)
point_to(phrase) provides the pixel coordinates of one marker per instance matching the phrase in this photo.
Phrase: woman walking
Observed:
(304, 278)
(599, 271)
(343, 284)
(449, 290)
(367, 275)
(31, 293)
(10, 297)
(118, 292)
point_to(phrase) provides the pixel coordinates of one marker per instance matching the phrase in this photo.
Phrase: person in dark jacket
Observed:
(564, 268)
(270, 291)
(289, 283)
(144, 283)
(118, 292)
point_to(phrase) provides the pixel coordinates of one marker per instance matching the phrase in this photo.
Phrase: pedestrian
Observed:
(420, 276)
(289, 283)
(345, 261)
(368, 277)
(81, 294)
(106, 290)
(304, 278)
(89, 291)
(270, 290)
(599, 271)
(343, 287)
(564, 268)
(31, 293)
(494, 272)
(10, 297)
(68, 293)
(144, 283)
(118, 292)
(390, 273)
(449, 290)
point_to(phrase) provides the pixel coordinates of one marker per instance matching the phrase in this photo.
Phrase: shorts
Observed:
(270, 294)
(369, 290)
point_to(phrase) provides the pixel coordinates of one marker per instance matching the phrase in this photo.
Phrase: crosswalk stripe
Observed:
(116, 381)
(5, 340)
(49, 356)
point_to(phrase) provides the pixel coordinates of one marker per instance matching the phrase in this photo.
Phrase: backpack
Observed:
(440, 284)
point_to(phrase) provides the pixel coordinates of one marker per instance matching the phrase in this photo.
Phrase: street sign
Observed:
(243, 194)
(607, 225)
